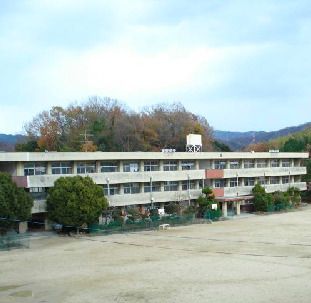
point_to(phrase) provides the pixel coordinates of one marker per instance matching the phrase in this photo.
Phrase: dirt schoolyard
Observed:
(255, 259)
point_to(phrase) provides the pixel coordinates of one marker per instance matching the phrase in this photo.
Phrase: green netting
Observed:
(146, 224)
(213, 214)
(279, 207)
(13, 241)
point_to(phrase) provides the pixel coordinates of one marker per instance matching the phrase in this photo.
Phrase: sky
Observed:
(242, 64)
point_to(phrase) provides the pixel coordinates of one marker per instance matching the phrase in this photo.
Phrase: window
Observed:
(234, 164)
(86, 168)
(219, 183)
(274, 180)
(131, 188)
(249, 181)
(156, 186)
(171, 186)
(170, 165)
(34, 168)
(114, 189)
(286, 163)
(261, 163)
(151, 166)
(187, 165)
(201, 184)
(131, 167)
(109, 166)
(285, 179)
(262, 180)
(61, 168)
(233, 182)
(220, 164)
(38, 193)
(275, 163)
(249, 163)
(186, 183)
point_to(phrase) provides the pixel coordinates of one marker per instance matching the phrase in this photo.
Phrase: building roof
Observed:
(88, 156)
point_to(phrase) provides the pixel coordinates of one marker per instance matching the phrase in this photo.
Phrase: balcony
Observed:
(247, 190)
(144, 198)
(254, 172)
(122, 177)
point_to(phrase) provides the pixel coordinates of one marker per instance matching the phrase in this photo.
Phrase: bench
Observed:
(164, 226)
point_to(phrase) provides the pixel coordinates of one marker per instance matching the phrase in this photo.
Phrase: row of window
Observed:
(235, 164)
(135, 188)
(234, 182)
(40, 168)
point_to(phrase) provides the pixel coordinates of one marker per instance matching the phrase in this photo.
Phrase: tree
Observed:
(205, 202)
(15, 203)
(113, 127)
(294, 197)
(75, 201)
(262, 200)
(172, 208)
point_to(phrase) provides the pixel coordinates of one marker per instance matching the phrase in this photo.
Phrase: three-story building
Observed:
(155, 178)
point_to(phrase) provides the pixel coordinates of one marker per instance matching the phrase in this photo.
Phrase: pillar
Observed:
(19, 169)
(238, 208)
(179, 165)
(97, 166)
(141, 166)
(224, 209)
(75, 165)
(47, 225)
(49, 168)
(161, 163)
(197, 165)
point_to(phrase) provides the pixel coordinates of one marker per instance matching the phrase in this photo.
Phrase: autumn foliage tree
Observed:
(104, 124)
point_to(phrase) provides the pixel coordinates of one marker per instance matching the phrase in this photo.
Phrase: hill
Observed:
(240, 140)
(7, 142)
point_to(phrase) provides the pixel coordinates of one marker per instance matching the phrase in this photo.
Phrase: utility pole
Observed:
(86, 139)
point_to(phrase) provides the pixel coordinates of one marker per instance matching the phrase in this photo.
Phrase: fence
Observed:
(279, 207)
(146, 224)
(13, 240)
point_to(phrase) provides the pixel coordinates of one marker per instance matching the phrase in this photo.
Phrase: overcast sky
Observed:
(243, 64)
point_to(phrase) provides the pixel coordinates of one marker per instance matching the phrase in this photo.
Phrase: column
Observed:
(19, 169)
(161, 164)
(162, 186)
(141, 165)
(224, 209)
(121, 188)
(179, 165)
(228, 164)
(197, 165)
(120, 166)
(238, 208)
(49, 168)
(75, 165)
(141, 187)
(97, 166)
(47, 224)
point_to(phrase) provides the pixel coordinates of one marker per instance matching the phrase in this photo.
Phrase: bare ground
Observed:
(256, 259)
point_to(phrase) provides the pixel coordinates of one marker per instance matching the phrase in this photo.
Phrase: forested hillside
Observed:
(103, 124)
(239, 140)
(297, 142)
